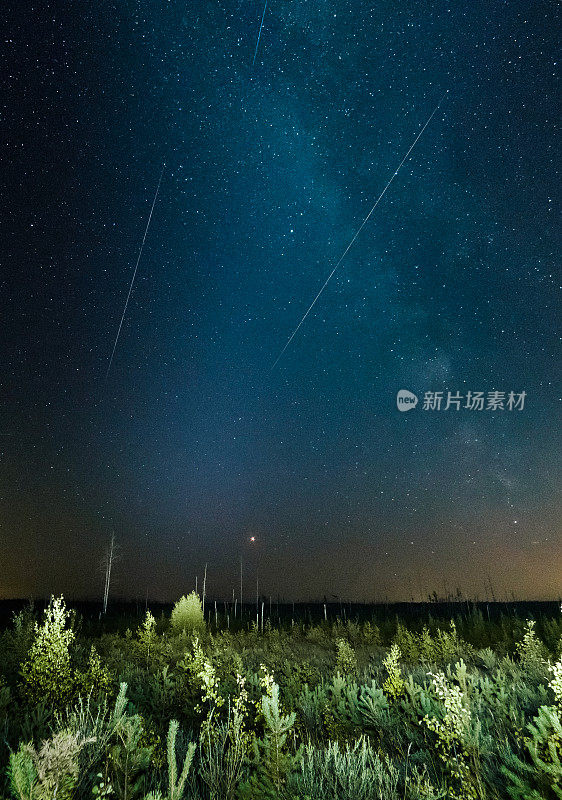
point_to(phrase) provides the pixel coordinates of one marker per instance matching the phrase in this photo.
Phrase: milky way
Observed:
(451, 289)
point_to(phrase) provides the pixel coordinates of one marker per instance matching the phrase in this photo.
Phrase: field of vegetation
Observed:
(465, 708)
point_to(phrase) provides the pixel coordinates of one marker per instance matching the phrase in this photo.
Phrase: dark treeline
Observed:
(226, 614)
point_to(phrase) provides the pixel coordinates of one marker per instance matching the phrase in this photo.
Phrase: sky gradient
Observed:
(193, 443)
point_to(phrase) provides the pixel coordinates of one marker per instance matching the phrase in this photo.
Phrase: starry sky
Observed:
(193, 443)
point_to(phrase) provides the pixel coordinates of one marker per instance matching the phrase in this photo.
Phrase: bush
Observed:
(51, 772)
(532, 652)
(455, 742)
(96, 680)
(47, 674)
(346, 660)
(542, 778)
(274, 760)
(187, 614)
(176, 783)
(397, 728)
(394, 684)
(129, 758)
(355, 772)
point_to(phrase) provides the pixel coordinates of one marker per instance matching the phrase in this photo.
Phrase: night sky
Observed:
(193, 443)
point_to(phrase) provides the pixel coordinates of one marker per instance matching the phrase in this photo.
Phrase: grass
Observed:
(355, 705)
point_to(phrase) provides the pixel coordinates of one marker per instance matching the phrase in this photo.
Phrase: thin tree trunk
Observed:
(204, 588)
(109, 564)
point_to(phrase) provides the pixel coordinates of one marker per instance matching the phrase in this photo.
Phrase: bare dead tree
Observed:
(107, 565)
(241, 586)
(204, 588)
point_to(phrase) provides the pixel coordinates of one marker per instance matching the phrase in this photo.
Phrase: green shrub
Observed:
(541, 779)
(311, 706)
(443, 647)
(274, 762)
(370, 634)
(386, 731)
(96, 681)
(176, 783)
(47, 675)
(531, 651)
(129, 758)
(394, 684)
(187, 615)
(455, 743)
(48, 773)
(373, 706)
(96, 724)
(5, 701)
(223, 747)
(147, 635)
(16, 642)
(319, 635)
(346, 660)
(354, 772)
(407, 643)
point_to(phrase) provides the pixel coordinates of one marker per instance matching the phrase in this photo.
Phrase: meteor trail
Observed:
(259, 34)
(345, 252)
(134, 274)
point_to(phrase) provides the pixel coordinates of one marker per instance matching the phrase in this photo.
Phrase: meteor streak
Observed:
(134, 274)
(347, 249)
(259, 34)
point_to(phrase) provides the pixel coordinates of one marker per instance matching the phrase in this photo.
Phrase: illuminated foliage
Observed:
(47, 675)
(187, 615)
